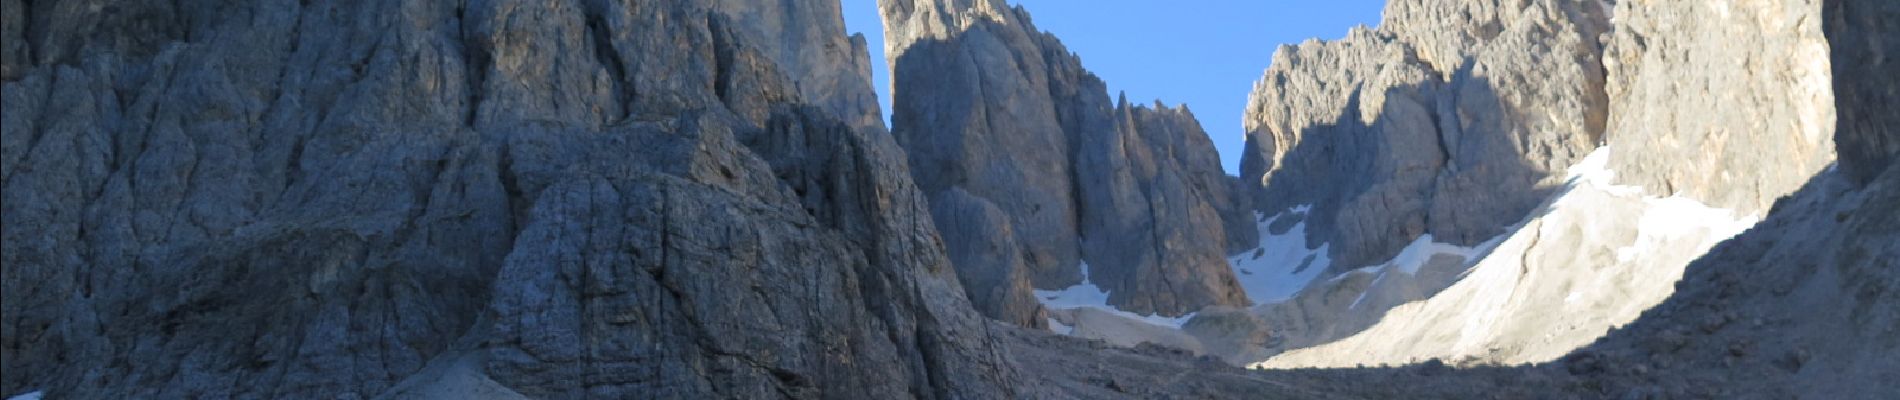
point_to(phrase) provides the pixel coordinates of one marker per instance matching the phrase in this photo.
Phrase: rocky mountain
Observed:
(500, 199)
(998, 115)
(1682, 171)
(1409, 151)
(569, 199)
(1452, 119)
(1800, 306)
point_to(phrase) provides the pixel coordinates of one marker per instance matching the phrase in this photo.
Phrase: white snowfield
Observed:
(33, 395)
(1083, 311)
(1285, 265)
(1596, 258)
(1087, 295)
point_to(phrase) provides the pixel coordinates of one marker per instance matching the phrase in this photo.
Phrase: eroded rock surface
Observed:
(589, 199)
(988, 105)
(1706, 93)
(1452, 118)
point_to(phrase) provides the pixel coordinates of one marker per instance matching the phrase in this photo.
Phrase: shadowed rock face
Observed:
(571, 199)
(989, 107)
(1156, 212)
(1453, 119)
(1864, 37)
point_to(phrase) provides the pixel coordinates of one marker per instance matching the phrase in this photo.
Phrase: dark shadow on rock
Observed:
(1804, 304)
(1005, 116)
(1442, 158)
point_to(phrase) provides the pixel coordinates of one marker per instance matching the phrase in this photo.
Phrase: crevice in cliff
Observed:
(513, 197)
(476, 61)
(607, 53)
(723, 48)
(31, 45)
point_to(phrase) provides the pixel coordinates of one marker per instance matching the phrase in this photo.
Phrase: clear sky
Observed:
(1205, 53)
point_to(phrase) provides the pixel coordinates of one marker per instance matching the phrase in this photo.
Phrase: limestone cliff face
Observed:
(1453, 118)
(1704, 94)
(1725, 105)
(1154, 201)
(567, 199)
(989, 107)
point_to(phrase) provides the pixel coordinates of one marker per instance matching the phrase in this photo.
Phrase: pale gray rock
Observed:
(829, 69)
(1453, 119)
(986, 104)
(1154, 236)
(589, 199)
(1707, 92)
(971, 106)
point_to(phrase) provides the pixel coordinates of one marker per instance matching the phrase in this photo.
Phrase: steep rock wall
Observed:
(572, 199)
(987, 105)
(1452, 119)
(1705, 94)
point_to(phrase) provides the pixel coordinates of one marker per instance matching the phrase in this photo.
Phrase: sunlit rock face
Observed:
(1443, 128)
(598, 199)
(1806, 303)
(1596, 256)
(1729, 102)
(1714, 110)
(990, 107)
(1453, 119)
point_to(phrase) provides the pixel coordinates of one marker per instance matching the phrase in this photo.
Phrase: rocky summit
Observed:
(576, 199)
(996, 114)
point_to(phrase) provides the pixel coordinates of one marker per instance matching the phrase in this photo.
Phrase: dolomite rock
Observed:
(1704, 93)
(988, 106)
(1762, 315)
(829, 69)
(568, 199)
(972, 115)
(1452, 118)
(1801, 306)
(981, 236)
(1152, 212)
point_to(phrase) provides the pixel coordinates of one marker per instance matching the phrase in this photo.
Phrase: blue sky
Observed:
(1205, 53)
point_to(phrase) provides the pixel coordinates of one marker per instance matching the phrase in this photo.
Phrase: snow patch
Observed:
(1598, 257)
(1285, 265)
(1424, 249)
(1421, 251)
(1061, 328)
(1087, 295)
(33, 395)
(1676, 216)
